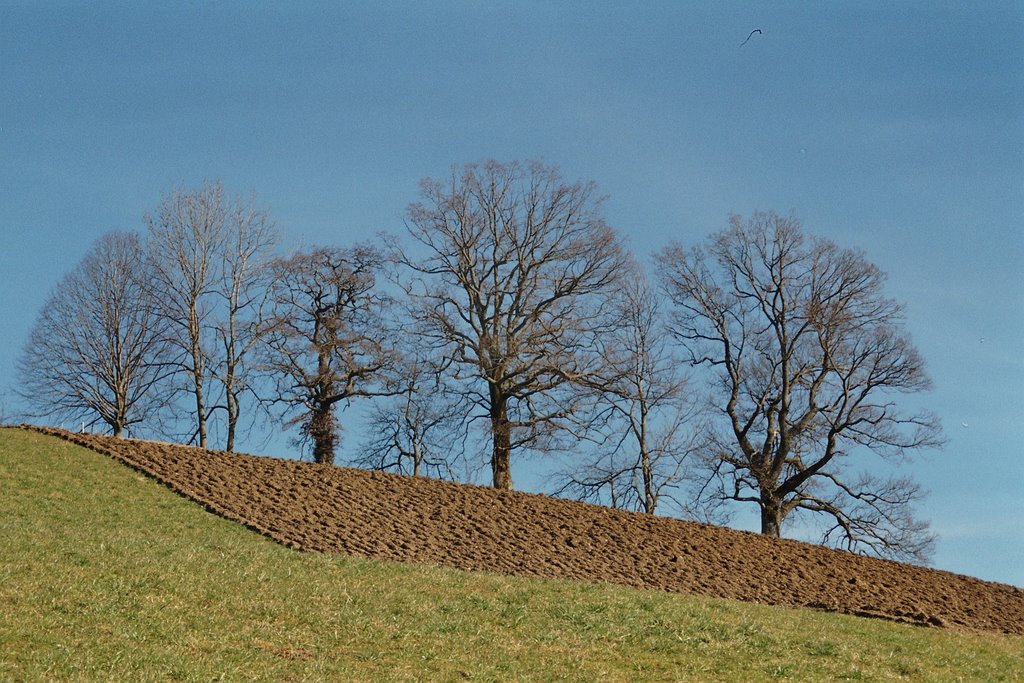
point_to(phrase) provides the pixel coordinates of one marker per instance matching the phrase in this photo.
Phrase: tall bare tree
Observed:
(515, 263)
(97, 349)
(325, 338)
(242, 285)
(185, 234)
(807, 358)
(650, 427)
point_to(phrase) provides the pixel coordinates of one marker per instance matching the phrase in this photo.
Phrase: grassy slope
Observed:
(105, 574)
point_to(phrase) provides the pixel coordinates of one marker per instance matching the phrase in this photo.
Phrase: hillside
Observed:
(107, 575)
(339, 510)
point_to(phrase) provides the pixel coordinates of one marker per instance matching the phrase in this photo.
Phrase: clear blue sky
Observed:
(896, 128)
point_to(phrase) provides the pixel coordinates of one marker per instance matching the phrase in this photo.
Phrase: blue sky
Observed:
(895, 128)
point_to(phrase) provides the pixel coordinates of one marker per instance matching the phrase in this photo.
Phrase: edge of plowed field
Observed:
(816, 577)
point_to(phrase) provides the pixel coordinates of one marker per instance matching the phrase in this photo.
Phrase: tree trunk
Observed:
(230, 366)
(197, 382)
(117, 424)
(501, 431)
(200, 411)
(199, 368)
(771, 516)
(650, 500)
(232, 406)
(321, 418)
(646, 469)
(321, 430)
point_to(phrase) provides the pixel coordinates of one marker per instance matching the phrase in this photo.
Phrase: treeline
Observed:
(757, 367)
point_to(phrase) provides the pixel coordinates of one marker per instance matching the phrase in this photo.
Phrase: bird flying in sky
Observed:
(756, 30)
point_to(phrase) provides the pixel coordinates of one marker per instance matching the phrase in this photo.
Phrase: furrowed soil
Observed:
(331, 509)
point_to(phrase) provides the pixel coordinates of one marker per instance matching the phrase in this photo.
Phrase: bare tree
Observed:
(243, 281)
(649, 430)
(185, 235)
(420, 430)
(325, 338)
(97, 349)
(807, 357)
(516, 263)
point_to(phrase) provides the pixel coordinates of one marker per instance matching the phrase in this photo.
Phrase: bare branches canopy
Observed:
(515, 316)
(515, 262)
(208, 254)
(184, 234)
(648, 420)
(97, 350)
(325, 341)
(807, 356)
(242, 285)
(421, 430)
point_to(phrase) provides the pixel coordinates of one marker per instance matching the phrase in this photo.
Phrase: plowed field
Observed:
(372, 514)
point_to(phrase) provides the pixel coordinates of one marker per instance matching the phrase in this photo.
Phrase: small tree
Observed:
(325, 341)
(418, 431)
(806, 358)
(647, 436)
(516, 265)
(97, 350)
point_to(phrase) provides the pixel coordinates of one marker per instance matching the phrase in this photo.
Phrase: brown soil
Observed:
(372, 514)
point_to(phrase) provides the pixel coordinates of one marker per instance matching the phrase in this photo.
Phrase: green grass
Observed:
(106, 575)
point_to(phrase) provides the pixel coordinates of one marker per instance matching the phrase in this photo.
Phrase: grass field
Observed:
(106, 575)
